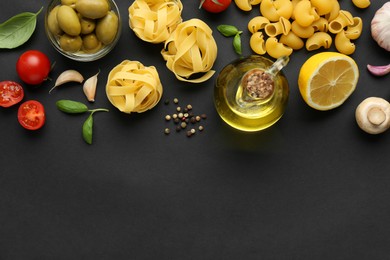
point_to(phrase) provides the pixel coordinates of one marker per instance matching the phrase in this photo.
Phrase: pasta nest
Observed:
(132, 87)
(191, 51)
(154, 21)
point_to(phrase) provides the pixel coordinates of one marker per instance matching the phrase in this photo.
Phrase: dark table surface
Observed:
(313, 186)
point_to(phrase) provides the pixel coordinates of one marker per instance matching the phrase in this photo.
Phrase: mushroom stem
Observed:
(376, 116)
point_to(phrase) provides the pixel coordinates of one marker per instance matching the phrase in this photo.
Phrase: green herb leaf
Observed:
(87, 129)
(227, 30)
(237, 43)
(71, 107)
(17, 30)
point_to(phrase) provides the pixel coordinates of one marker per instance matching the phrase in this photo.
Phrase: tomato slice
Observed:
(11, 93)
(31, 115)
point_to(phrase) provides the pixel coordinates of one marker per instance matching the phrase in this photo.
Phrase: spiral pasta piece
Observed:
(154, 21)
(191, 49)
(132, 87)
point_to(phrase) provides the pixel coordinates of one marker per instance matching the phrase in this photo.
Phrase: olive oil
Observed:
(251, 94)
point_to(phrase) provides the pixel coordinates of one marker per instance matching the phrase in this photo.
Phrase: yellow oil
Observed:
(253, 115)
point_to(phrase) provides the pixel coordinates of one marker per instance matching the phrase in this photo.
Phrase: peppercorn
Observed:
(183, 125)
(167, 131)
(175, 100)
(200, 128)
(203, 116)
(178, 109)
(167, 117)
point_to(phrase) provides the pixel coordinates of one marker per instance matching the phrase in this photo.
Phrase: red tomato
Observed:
(31, 115)
(33, 67)
(215, 6)
(11, 93)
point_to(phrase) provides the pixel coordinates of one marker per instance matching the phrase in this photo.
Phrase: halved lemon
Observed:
(327, 79)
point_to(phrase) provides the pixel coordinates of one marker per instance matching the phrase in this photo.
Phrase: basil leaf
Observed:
(237, 43)
(71, 107)
(87, 129)
(227, 30)
(17, 30)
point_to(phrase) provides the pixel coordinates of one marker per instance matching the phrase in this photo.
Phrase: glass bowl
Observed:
(81, 54)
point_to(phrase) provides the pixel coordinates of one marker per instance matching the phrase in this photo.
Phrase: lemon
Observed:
(327, 79)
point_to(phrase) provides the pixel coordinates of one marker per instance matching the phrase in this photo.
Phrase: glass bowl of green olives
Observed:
(83, 30)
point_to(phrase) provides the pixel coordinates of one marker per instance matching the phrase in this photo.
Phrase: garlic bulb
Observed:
(380, 26)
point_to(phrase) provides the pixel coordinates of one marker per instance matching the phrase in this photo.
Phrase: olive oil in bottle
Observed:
(251, 94)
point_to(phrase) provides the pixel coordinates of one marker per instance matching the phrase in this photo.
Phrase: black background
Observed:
(313, 186)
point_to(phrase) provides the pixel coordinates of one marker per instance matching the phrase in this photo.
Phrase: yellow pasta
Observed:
(343, 43)
(355, 30)
(244, 5)
(361, 3)
(334, 12)
(321, 25)
(300, 31)
(154, 21)
(257, 23)
(344, 19)
(257, 43)
(274, 9)
(276, 49)
(191, 50)
(318, 40)
(286, 25)
(277, 28)
(323, 6)
(304, 13)
(292, 40)
(132, 87)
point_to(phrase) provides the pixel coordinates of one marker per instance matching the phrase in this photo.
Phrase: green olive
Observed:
(93, 9)
(91, 43)
(87, 25)
(70, 43)
(107, 28)
(52, 22)
(68, 2)
(68, 20)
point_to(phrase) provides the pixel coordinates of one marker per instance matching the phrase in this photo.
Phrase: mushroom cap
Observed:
(373, 115)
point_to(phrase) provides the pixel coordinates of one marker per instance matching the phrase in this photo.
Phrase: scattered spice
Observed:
(182, 117)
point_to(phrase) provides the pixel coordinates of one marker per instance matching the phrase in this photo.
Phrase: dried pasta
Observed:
(132, 87)
(191, 51)
(154, 21)
(318, 40)
(283, 26)
(309, 23)
(292, 40)
(276, 49)
(343, 43)
(274, 9)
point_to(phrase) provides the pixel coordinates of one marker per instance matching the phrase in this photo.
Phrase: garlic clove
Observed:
(68, 76)
(379, 70)
(89, 87)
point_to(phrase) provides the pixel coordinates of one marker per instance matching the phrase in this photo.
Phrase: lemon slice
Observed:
(327, 79)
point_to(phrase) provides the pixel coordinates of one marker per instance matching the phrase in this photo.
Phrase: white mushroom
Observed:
(373, 115)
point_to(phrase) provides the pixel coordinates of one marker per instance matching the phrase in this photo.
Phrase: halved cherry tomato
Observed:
(11, 93)
(31, 115)
(33, 67)
(215, 6)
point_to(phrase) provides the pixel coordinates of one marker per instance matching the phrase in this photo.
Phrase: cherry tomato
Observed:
(33, 67)
(215, 6)
(31, 115)
(11, 93)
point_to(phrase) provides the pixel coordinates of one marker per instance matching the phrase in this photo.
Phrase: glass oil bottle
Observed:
(251, 94)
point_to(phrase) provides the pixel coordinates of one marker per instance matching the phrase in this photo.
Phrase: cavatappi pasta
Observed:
(286, 25)
(191, 51)
(154, 20)
(132, 87)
